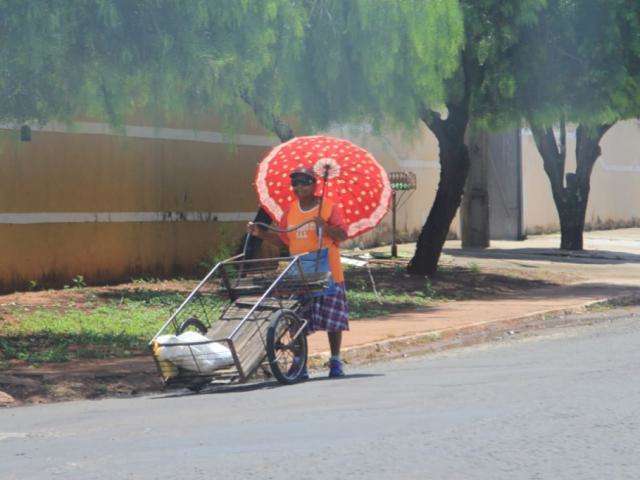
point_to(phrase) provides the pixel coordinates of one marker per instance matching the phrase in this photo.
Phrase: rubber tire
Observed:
(282, 377)
(193, 322)
(197, 386)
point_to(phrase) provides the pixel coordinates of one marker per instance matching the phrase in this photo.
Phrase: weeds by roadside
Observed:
(89, 323)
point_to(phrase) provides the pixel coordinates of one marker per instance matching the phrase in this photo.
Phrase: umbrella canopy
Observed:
(356, 181)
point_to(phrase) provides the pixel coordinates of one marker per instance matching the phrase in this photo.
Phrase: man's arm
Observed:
(335, 232)
(267, 235)
(334, 227)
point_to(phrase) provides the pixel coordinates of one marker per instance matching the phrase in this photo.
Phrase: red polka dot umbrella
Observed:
(355, 180)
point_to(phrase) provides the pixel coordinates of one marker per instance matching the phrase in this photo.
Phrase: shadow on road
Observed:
(264, 385)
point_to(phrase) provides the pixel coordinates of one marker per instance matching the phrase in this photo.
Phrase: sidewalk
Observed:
(609, 268)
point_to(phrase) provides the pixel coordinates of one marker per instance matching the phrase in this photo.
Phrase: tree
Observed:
(339, 74)
(397, 63)
(387, 63)
(580, 64)
(109, 58)
(478, 89)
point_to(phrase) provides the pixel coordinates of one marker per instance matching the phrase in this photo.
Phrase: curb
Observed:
(443, 339)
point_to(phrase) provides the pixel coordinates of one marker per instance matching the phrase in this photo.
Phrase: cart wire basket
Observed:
(243, 315)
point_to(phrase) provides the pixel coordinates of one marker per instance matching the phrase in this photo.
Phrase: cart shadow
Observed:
(263, 385)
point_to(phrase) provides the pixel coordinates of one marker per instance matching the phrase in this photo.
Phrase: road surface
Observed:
(564, 404)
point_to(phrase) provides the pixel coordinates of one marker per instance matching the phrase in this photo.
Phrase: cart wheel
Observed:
(192, 324)
(195, 387)
(282, 346)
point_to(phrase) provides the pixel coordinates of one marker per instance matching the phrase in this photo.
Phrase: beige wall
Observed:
(615, 182)
(138, 190)
(397, 152)
(161, 200)
(58, 175)
(83, 201)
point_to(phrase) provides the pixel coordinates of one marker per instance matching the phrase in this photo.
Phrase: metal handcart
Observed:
(252, 308)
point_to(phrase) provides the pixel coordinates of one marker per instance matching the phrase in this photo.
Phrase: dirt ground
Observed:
(21, 383)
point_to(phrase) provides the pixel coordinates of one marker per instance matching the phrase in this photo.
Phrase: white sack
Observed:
(209, 356)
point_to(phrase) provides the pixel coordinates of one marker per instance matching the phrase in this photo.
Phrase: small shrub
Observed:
(428, 290)
(224, 250)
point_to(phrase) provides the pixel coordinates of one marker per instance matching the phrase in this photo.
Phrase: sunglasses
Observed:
(304, 181)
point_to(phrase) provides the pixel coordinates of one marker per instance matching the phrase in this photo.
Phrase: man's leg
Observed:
(335, 363)
(335, 341)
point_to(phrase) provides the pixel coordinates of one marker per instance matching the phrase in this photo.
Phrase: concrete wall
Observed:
(615, 182)
(82, 200)
(504, 185)
(107, 207)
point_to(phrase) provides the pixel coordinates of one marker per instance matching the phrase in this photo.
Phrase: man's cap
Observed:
(303, 171)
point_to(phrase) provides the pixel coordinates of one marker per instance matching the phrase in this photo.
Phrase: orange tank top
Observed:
(305, 238)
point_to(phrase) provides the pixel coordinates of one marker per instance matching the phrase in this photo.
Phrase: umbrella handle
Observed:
(319, 232)
(325, 177)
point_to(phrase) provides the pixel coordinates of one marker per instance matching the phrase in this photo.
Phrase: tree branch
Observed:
(433, 120)
(553, 159)
(267, 119)
(588, 147)
(563, 138)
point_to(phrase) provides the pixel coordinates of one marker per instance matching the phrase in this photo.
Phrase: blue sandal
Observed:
(335, 369)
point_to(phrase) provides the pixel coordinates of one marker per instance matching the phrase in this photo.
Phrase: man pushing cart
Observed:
(319, 191)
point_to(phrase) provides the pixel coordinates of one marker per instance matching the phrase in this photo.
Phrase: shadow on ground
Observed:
(603, 257)
(264, 385)
(580, 290)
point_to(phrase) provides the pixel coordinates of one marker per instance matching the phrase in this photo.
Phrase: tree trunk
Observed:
(570, 196)
(572, 213)
(454, 168)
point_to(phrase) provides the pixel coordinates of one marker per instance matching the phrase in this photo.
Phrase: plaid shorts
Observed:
(328, 312)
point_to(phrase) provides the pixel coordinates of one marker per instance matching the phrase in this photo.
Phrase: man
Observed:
(327, 312)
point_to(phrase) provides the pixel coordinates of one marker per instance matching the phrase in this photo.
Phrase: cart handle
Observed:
(277, 229)
(283, 230)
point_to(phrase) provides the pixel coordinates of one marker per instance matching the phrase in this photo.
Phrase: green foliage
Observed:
(376, 61)
(581, 63)
(225, 247)
(474, 268)
(116, 328)
(494, 30)
(109, 58)
(428, 290)
(318, 60)
(365, 304)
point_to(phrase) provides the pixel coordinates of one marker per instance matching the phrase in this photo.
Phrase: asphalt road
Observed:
(561, 405)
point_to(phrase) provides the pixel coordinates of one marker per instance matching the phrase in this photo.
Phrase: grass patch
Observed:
(393, 296)
(106, 331)
(365, 304)
(116, 328)
(120, 323)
